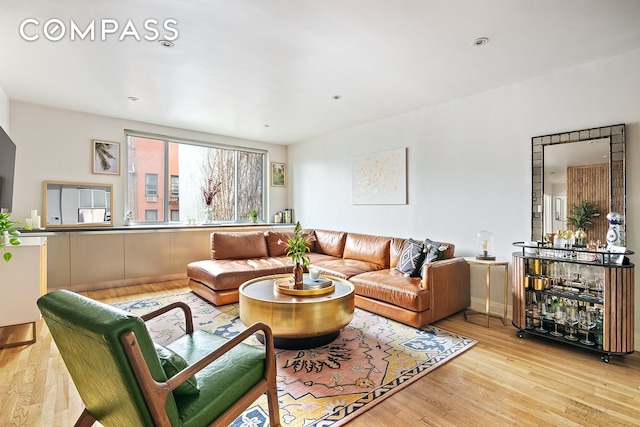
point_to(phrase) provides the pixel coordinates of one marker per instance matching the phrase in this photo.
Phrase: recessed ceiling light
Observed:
(480, 41)
(267, 126)
(337, 96)
(132, 98)
(165, 43)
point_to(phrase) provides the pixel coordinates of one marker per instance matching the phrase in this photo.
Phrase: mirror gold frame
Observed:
(77, 204)
(617, 169)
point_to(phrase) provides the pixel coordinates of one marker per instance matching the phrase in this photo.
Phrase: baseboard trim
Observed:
(119, 283)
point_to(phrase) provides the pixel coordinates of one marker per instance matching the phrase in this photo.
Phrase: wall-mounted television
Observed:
(7, 169)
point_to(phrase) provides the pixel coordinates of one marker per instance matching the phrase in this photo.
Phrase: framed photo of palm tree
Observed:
(105, 157)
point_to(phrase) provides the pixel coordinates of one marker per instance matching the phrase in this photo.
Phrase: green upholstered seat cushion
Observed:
(172, 363)
(222, 382)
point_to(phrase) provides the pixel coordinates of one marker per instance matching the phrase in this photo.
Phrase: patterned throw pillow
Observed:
(411, 258)
(433, 250)
(172, 363)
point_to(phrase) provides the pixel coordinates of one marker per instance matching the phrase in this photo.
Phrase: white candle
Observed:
(36, 223)
(34, 214)
(28, 222)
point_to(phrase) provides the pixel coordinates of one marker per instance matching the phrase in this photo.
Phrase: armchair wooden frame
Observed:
(156, 393)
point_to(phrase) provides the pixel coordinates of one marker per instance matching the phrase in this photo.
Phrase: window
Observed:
(151, 185)
(175, 186)
(169, 178)
(150, 215)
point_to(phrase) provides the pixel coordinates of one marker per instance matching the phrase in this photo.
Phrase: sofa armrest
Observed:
(440, 270)
(449, 283)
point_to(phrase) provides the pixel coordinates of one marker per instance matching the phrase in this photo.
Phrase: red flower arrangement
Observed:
(210, 191)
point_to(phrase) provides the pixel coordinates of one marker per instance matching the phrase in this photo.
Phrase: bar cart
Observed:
(576, 296)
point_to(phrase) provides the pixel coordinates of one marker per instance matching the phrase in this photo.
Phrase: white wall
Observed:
(55, 145)
(4, 111)
(469, 162)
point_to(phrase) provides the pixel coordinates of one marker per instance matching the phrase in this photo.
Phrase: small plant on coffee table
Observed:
(297, 247)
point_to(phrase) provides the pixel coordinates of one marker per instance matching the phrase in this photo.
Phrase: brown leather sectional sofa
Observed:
(367, 261)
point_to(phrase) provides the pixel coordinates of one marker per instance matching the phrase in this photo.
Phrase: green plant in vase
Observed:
(581, 218)
(297, 247)
(9, 235)
(254, 216)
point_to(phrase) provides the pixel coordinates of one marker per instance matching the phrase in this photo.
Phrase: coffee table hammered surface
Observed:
(297, 321)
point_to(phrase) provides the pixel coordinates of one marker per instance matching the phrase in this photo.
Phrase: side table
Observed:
(488, 265)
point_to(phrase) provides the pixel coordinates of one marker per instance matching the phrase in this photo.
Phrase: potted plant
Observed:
(8, 234)
(581, 218)
(254, 216)
(297, 247)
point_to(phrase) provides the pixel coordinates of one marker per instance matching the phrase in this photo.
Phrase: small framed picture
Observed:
(105, 157)
(278, 174)
(619, 252)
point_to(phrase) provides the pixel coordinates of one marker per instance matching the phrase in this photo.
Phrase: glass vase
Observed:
(297, 276)
(208, 215)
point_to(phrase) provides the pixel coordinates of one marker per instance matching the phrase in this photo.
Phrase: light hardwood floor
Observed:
(503, 380)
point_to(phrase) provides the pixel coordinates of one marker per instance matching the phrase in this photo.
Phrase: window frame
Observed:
(167, 140)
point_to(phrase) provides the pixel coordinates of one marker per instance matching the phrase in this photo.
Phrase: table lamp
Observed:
(485, 246)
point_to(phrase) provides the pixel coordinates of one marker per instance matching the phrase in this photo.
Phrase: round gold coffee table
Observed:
(297, 322)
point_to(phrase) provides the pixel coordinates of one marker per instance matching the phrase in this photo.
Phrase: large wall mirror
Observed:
(572, 167)
(75, 204)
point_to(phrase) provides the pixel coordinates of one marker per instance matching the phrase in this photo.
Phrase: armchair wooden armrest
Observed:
(190, 370)
(188, 316)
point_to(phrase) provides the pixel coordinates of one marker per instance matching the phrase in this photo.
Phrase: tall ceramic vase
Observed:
(297, 276)
(615, 235)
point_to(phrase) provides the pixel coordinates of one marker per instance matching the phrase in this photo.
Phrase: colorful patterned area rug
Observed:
(372, 358)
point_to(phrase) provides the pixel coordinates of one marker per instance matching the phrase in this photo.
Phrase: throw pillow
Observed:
(411, 258)
(433, 250)
(172, 363)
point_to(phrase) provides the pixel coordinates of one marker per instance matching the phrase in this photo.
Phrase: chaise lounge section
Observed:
(435, 290)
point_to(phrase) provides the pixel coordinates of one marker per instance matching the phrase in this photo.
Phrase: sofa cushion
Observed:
(411, 258)
(315, 257)
(229, 245)
(227, 274)
(272, 238)
(219, 385)
(330, 242)
(172, 363)
(395, 250)
(364, 247)
(276, 249)
(393, 287)
(344, 268)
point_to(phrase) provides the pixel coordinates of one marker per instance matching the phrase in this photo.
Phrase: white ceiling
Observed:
(239, 65)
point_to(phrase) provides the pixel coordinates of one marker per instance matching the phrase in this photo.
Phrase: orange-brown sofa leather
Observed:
(367, 261)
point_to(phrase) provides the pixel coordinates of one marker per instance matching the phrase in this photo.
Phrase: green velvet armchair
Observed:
(125, 379)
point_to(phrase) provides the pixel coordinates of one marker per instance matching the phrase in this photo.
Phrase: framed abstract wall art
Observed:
(380, 178)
